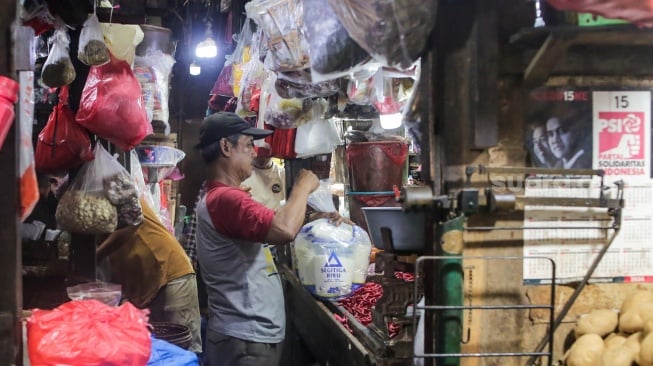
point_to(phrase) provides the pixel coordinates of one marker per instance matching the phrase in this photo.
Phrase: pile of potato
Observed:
(610, 338)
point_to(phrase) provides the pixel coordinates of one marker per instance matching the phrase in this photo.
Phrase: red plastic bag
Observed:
(112, 105)
(88, 332)
(62, 144)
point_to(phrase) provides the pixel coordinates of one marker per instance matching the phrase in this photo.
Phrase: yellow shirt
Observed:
(149, 261)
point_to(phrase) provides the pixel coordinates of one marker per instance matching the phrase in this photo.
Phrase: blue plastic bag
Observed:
(167, 354)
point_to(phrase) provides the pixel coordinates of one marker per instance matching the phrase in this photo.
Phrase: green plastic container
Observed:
(593, 20)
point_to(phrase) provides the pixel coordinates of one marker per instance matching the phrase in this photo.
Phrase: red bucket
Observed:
(376, 166)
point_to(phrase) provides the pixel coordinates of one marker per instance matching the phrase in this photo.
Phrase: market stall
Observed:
(494, 158)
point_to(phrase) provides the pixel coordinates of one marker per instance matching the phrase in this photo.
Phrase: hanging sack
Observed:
(58, 70)
(112, 105)
(319, 136)
(62, 144)
(241, 55)
(89, 205)
(92, 50)
(88, 332)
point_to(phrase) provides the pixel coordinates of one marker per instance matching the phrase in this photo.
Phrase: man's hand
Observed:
(306, 179)
(334, 218)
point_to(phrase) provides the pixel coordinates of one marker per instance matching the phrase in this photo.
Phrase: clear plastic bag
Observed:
(153, 73)
(250, 84)
(331, 260)
(322, 199)
(58, 69)
(298, 84)
(282, 23)
(287, 113)
(222, 85)
(394, 32)
(92, 50)
(86, 207)
(333, 53)
(319, 136)
(241, 55)
(359, 87)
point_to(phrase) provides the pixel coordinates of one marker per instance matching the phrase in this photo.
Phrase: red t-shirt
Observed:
(235, 214)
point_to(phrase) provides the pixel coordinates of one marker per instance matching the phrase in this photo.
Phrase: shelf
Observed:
(553, 45)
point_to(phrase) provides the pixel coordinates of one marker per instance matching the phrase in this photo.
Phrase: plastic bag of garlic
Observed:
(91, 203)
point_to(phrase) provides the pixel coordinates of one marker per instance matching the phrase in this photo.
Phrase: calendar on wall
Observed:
(608, 130)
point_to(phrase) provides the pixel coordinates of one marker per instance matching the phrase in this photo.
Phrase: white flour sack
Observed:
(331, 260)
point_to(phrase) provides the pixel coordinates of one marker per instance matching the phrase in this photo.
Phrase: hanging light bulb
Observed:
(207, 48)
(194, 69)
(390, 121)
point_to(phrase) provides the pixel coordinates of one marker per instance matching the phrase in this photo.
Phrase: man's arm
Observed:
(114, 241)
(288, 220)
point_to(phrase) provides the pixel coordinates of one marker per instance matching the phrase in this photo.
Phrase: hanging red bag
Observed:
(88, 332)
(112, 105)
(63, 144)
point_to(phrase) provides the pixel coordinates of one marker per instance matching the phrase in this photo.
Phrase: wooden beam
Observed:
(547, 57)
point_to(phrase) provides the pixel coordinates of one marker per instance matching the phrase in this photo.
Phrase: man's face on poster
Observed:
(560, 138)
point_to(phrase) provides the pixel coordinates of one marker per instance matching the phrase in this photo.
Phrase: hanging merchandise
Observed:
(92, 50)
(35, 14)
(122, 39)
(137, 175)
(88, 332)
(222, 85)
(153, 72)
(88, 204)
(241, 55)
(394, 32)
(112, 105)
(283, 143)
(298, 84)
(250, 85)
(29, 188)
(225, 6)
(58, 69)
(359, 87)
(62, 144)
(318, 137)
(333, 53)
(281, 22)
(288, 113)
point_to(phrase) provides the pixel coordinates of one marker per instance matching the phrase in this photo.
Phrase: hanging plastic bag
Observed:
(299, 85)
(282, 145)
(250, 86)
(58, 69)
(166, 354)
(394, 32)
(85, 207)
(139, 179)
(318, 137)
(153, 72)
(333, 53)
(332, 260)
(281, 22)
(241, 55)
(122, 39)
(62, 144)
(88, 332)
(92, 50)
(322, 199)
(112, 106)
(359, 87)
(29, 189)
(222, 85)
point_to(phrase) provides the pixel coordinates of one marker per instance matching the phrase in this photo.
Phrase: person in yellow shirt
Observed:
(154, 272)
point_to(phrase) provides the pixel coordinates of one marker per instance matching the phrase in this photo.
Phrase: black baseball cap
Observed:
(224, 124)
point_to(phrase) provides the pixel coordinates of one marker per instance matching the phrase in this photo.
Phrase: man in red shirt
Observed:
(247, 318)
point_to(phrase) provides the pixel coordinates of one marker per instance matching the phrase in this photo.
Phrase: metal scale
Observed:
(442, 220)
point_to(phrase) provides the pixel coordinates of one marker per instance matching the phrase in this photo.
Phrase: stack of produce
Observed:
(606, 337)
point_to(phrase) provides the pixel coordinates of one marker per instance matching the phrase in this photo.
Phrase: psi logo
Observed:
(621, 135)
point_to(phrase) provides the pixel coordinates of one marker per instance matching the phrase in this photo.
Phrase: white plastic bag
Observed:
(122, 39)
(332, 260)
(92, 50)
(321, 199)
(317, 137)
(153, 73)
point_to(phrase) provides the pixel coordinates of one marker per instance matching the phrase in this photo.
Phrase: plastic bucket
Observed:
(376, 166)
(177, 334)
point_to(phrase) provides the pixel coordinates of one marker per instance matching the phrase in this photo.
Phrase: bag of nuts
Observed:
(92, 200)
(58, 70)
(92, 50)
